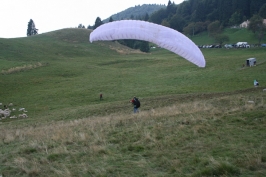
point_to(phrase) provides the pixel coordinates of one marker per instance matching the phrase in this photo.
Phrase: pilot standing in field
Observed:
(136, 103)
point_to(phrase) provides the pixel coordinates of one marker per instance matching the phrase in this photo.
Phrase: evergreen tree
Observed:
(111, 19)
(262, 11)
(132, 17)
(255, 6)
(144, 46)
(184, 9)
(159, 16)
(177, 23)
(171, 8)
(90, 27)
(81, 26)
(225, 11)
(198, 12)
(165, 23)
(146, 17)
(31, 28)
(98, 22)
(235, 19)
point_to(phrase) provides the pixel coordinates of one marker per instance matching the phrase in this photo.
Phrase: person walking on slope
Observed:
(136, 103)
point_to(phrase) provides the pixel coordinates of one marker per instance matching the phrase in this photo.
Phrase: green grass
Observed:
(193, 121)
(76, 72)
(235, 35)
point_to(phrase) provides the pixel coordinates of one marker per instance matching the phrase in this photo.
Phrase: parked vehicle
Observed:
(234, 45)
(263, 45)
(247, 46)
(228, 46)
(242, 45)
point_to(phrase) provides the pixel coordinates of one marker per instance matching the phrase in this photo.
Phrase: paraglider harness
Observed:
(136, 103)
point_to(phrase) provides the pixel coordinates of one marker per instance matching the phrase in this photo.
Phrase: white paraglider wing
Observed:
(162, 36)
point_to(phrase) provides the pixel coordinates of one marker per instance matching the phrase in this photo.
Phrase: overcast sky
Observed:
(51, 15)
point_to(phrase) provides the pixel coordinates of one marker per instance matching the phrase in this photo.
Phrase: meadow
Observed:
(193, 121)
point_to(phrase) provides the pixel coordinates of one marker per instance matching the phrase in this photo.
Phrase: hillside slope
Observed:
(137, 12)
(61, 69)
(193, 121)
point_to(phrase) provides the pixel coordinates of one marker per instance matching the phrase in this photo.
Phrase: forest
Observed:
(192, 17)
(227, 12)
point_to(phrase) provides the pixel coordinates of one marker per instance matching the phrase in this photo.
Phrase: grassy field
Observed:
(235, 35)
(193, 121)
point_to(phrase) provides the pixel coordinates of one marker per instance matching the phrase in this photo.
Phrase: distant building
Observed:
(246, 23)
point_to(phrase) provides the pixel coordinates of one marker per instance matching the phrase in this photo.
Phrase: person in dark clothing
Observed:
(136, 103)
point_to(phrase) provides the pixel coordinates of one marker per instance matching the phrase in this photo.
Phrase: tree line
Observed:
(192, 17)
(227, 12)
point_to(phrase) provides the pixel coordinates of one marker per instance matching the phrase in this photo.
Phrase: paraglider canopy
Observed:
(164, 37)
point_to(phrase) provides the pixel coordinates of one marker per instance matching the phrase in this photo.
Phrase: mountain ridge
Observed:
(136, 12)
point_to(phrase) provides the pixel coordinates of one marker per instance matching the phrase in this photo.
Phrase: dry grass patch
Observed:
(197, 138)
(23, 68)
(94, 128)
